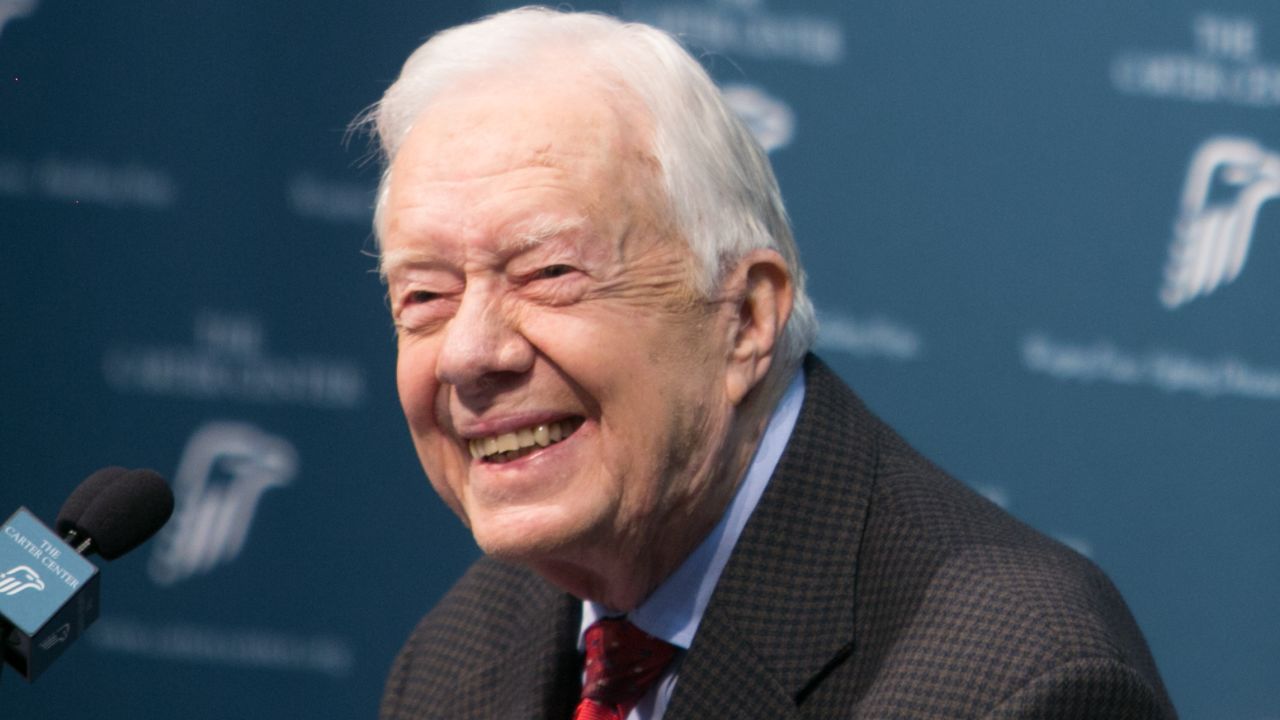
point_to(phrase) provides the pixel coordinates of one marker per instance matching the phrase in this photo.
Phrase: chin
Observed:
(530, 535)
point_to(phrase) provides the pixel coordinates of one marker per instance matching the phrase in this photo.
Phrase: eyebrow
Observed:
(541, 229)
(389, 262)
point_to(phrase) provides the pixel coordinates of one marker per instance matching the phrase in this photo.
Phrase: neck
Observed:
(621, 574)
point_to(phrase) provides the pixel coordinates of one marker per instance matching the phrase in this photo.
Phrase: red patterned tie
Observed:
(622, 663)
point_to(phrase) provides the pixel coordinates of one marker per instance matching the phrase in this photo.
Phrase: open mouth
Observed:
(515, 445)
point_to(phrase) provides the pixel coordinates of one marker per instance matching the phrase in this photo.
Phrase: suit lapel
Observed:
(538, 676)
(781, 616)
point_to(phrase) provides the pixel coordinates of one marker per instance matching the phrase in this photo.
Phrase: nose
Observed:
(482, 343)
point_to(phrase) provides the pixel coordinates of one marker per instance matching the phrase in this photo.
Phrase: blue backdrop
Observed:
(1038, 236)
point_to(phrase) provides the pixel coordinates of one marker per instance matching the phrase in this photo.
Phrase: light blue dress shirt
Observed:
(674, 610)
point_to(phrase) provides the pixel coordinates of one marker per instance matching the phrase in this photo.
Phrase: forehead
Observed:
(572, 122)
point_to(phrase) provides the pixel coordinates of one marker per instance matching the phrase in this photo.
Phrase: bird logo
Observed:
(57, 636)
(17, 579)
(1229, 180)
(225, 469)
(769, 119)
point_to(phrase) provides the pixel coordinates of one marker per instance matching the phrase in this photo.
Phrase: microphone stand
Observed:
(5, 630)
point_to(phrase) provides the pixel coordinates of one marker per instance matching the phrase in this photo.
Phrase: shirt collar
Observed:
(675, 608)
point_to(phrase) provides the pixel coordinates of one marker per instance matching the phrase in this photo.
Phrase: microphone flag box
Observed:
(48, 593)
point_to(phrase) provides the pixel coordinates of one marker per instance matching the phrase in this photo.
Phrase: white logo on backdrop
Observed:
(244, 647)
(311, 196)
(1227, 183)
(1225, 67)
(1102, 361)
(746, 28)
(872, 336)
(92, 182)
(229, 361)
(16, 579)
(771, 120)
(14, 9)
(225, 469)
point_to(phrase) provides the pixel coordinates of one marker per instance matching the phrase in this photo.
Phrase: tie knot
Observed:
(622, 663)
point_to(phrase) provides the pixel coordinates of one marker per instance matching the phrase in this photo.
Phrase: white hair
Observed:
(719, 184)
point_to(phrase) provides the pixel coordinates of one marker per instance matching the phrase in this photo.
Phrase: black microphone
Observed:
(124, 514)
(48, 590)
(80, 498)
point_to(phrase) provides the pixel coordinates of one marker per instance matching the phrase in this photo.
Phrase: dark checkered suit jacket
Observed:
(867, 584)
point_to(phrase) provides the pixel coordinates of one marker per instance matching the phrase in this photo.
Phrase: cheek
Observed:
(417, 385)
(418, 388)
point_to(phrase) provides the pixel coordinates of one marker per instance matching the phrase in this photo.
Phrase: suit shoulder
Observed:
(950, 564)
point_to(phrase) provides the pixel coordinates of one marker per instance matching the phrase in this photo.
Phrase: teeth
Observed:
(522, 439)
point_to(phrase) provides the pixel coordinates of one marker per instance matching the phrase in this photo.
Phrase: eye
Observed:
(422, 311)
(552, 271)
(418, 297)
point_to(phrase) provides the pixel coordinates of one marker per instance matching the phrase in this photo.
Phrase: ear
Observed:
(760, 290)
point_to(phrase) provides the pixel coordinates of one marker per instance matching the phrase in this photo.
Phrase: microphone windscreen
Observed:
(84, 494)
(127, 512)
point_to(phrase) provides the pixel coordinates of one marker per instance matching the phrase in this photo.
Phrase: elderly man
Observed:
(602, 336)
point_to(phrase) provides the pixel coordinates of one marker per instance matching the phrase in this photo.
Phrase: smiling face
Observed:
(564, 386)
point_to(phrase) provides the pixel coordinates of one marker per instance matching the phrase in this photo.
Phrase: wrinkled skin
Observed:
(534, 276)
